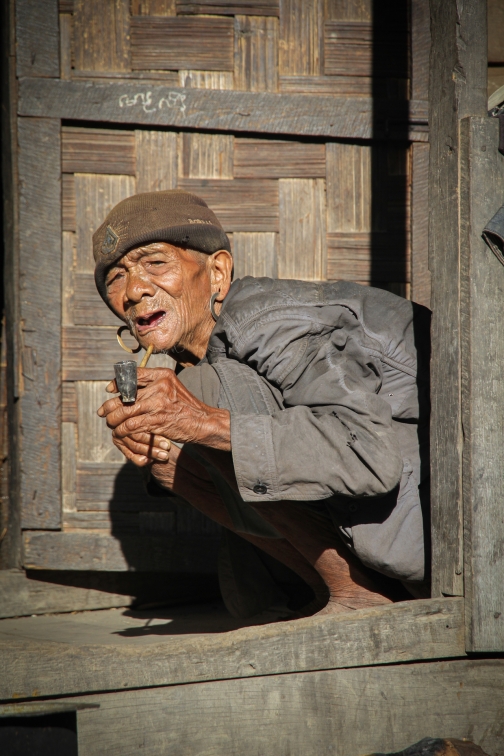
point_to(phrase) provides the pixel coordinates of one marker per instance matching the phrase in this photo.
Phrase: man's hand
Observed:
(164, 410)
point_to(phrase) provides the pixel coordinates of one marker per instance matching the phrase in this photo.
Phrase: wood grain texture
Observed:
(124, 101)
(67, 278)
(240, 205)
(383, 635)
(340, 86)
(95, 438)
(457, 89)
(88, 307)
(348, 10)
(256, 53)
(482, 289)
(420, 274)
(205, 79)
(37, 38)
(68, 466)
(302, 242)
(348, 187)
(271, 158)
(153, 8)
(348, 712)
(300, 50)
(255, 255)
(365, 257)
(68, 221)
(348, 48)
(113, 486)
(68, 403)
(230, 7)
(40, 274)
(420, 49)
(495, 31)
(95, 196)
(89, 551)
(205, 156)
(102, 35)
(171, 43)
(65, 44)
(97, 151)
(156, 160)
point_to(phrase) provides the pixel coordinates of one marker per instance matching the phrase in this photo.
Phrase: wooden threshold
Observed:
(115, 650)
(156, 104)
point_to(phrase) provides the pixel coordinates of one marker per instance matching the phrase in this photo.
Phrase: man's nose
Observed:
(138, 286)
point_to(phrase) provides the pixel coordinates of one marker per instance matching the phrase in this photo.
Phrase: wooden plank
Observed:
(44, 550)
(240, 205)
(271, 158)
(40, 273)
(205, 156)
(156, 160)
(88, 306)
(66, 36)
(302, 242)
(95, 196)
(349, 50)
(255, 255)
(95, 438)
(170, 43)
(348, 187)
(97, 151)
(349, 10)
(300, 50)
(68, 403)
(68, 221)
(348, 712)
(420, 49)
(230, 7)
(365, 257)
(37, 38)
(68, 465)
(458, 44)
(123, 101)
(256, 53)
(482, 286)
(101, 35)
(114, 485)
(420, 274)
(43, 592)
(68, 278)
(383, 635)
(89, 353)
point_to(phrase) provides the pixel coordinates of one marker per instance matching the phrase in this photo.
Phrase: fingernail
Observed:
(162, 455)
(100, 412)
(165, 445)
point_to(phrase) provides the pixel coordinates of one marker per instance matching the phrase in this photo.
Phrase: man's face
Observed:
(162, 292)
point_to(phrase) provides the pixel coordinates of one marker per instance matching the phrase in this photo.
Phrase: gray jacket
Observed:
(348, 367)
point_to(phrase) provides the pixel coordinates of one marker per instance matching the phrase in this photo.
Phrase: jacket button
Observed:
(260, 488)
(352, 508)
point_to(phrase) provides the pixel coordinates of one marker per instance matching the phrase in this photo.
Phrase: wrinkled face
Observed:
(163, 294)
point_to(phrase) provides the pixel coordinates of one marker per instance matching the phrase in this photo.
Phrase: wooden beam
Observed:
(403, 632)
(90, 551)
(345, 712)
(40, 313)
(37, 38)
(123, 101)
(482, 289)
(457, 89)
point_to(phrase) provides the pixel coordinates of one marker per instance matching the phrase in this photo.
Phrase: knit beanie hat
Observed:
(173, 216)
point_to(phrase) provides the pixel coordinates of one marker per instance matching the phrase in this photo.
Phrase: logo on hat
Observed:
(110, 242)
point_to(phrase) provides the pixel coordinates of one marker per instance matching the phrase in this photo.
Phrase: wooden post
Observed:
(482, 330)
(457, 89)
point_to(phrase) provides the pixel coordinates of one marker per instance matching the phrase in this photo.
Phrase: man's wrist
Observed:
(216, 430)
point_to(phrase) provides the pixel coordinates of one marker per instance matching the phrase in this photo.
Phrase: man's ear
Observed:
(221, 272)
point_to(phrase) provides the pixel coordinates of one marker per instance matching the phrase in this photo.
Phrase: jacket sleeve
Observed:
(335, 435)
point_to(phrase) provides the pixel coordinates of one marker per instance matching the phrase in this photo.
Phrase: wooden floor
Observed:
(192, 680)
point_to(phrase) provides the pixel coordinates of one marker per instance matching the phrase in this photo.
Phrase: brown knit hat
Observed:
(173, 216)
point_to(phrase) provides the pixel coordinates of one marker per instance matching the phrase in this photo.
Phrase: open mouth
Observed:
(150, 320)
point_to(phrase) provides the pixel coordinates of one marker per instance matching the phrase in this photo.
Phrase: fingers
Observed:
(142, 445)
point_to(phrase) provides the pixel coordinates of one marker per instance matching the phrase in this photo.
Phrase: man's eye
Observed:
(113, 278)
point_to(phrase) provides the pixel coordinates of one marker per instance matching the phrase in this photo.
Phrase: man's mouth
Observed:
(149, 320)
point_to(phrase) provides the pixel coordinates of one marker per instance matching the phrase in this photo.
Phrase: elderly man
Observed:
(300, 418)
